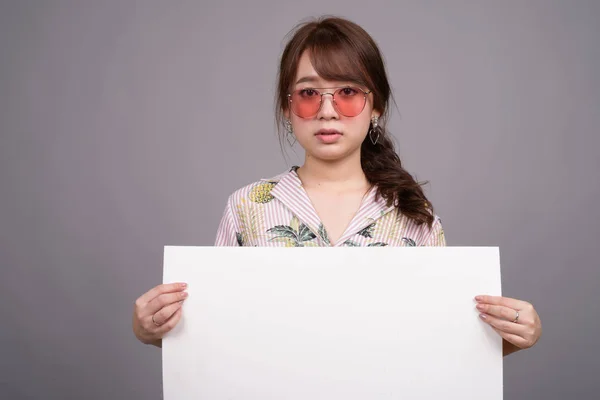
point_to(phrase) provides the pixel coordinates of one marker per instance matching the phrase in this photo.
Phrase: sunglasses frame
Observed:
(336, 89)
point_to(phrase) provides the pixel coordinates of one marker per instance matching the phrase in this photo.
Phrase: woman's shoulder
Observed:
(415, 233)
(258, 191)
(433, 235)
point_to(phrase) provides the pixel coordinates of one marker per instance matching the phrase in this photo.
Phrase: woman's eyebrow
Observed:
(317, 79)
(308, 79)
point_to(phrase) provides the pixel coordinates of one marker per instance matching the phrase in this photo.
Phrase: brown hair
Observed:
(340, 50)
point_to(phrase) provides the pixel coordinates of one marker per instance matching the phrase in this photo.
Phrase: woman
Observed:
(352, 190)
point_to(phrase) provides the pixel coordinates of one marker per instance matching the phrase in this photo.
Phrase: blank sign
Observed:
(332, 323)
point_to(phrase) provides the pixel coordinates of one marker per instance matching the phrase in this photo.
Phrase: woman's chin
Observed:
(330, 153)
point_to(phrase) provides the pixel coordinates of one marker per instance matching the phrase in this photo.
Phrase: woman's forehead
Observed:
(306, 74)
(305, 70)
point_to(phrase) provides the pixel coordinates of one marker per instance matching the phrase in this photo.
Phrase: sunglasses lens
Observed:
(305, 103)
(350, 101)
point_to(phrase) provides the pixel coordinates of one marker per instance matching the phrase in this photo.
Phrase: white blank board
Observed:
(332, 323)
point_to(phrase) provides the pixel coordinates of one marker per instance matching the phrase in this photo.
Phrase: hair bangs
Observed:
(335, 59)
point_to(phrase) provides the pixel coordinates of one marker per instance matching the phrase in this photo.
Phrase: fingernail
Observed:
(181, 302)
(183, 294)
(478, 298)
(480, 307)
(184, 285)
(483, 316)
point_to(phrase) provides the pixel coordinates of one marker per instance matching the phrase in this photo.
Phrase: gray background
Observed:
(125, 124)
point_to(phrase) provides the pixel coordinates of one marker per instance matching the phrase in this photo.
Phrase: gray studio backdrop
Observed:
(126, 124)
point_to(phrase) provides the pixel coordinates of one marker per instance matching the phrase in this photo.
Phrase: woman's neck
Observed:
(339, 175)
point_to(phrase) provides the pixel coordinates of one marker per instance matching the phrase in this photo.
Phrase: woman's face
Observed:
(349, 131)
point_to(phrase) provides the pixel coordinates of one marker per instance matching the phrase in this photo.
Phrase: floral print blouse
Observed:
(278, 212)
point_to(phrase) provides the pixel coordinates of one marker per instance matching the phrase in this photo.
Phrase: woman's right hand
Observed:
(157, 311)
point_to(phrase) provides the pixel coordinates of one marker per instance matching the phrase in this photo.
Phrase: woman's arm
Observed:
(226, 234)
(508, 348)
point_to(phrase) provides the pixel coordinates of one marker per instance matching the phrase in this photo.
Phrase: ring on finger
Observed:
(154, 321)
(516, 317)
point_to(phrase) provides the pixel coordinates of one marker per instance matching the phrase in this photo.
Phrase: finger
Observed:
(158, 290)
(506, 313)
(163, 315)
(502, 301)
(504, 326)
(170, 323)
(162, 301)
(514, 339)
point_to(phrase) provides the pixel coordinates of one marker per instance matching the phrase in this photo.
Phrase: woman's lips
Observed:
(328, 135)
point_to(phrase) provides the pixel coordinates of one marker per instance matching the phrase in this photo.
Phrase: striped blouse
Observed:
(278, 212)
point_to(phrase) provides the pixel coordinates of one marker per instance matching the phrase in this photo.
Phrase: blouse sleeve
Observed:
(226, 233)
(436, 236)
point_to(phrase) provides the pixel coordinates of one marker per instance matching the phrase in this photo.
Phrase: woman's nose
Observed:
(327, 106)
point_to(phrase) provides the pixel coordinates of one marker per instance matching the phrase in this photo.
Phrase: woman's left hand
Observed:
(516, 321)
